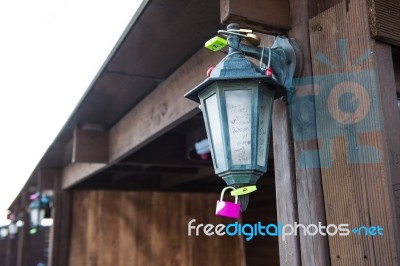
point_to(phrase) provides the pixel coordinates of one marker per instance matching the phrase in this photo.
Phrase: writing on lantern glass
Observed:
(238, 107)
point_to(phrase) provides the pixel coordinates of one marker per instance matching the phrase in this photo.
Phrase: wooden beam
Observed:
(268, 16)
(384, 20)
(163, 109)
(46, 179)
(160, 111)
(357, 136)
(285, 182)
(77, 172)
(67, 152)
(89, 146)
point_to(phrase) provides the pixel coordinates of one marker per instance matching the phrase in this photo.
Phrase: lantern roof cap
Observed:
(235, 66)
(36, 204)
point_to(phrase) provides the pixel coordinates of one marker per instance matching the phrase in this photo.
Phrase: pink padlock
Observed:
(226, 208)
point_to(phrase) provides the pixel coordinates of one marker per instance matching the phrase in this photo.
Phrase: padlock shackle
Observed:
(223, 192)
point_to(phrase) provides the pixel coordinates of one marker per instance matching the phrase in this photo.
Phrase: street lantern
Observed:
(236, 100)
(37, 209)
(3, 232)
(237, 115)
(12, 229)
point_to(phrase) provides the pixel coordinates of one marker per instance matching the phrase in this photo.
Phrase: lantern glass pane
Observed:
(238, 107)
(3, 232)
(36, 216)
(12, 229)
(214, 120)
(264, 121)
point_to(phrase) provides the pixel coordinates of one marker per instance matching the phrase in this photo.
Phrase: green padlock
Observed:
(216, 43)
(243, 190)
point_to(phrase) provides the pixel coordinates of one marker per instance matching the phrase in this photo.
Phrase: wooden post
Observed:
(285, 181)
(314, 249)
(60, 231)
(23, 235)
(357, 127)
(310, 200)
(12, 256)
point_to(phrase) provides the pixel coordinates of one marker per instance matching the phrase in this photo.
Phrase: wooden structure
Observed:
(36, 250)
(125, 178)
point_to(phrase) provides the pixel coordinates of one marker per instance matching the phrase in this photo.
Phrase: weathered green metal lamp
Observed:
(12, 227)
(3, 232)
(236, 101)
(37, 210)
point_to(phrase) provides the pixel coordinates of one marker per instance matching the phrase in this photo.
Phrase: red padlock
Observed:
(209, 70)
(268, 72)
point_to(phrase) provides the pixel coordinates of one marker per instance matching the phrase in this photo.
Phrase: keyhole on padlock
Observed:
(244, 201)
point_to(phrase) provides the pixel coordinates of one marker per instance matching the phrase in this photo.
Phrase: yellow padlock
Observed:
(243, 190)
(216, 43)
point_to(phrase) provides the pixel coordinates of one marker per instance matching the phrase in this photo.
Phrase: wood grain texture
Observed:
(310, 200)
(147, 228)
(271, 17)
(77, 172)
(391, 142)
(90, 146)
(60, 231)
(23, 234)
(285, 181)
(162, 109)
(384, 20)
(356, 191)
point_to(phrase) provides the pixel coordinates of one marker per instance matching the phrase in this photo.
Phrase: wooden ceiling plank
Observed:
(163, 109)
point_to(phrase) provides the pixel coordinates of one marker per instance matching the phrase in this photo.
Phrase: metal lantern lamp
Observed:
(12, 229)
(236, 100)
(37, 209)
(3, 232)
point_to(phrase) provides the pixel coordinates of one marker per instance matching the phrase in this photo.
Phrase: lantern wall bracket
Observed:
(286, 61)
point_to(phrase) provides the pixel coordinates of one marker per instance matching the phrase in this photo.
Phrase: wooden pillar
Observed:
(12, 246)
(357, 125)
(303, 178)
(8, 251)
(61, 229)
(285, 181)
(310, 200)
(23, 235)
